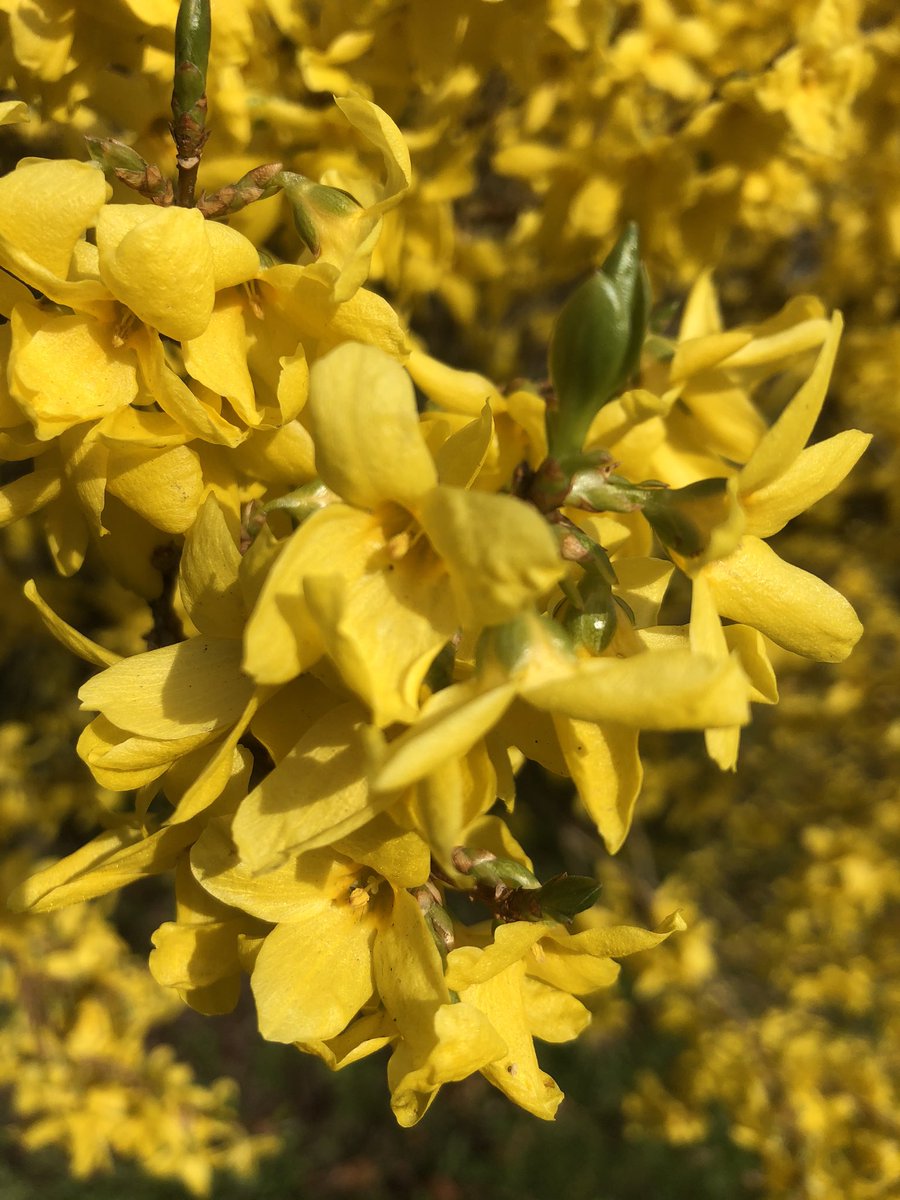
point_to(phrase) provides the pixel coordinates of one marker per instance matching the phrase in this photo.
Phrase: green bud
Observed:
(596, 344)
(193, 31)
(490, 871)
(318, 211)
(257, 184)
(506, 649)
(593, 629)
(303, 501)
(124, 163)
(438, 920)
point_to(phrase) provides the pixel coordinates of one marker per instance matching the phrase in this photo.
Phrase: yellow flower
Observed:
(526, 978)
(381, 581)
(743, 579)
(597, 706)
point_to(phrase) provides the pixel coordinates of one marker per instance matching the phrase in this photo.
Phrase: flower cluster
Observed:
(378, 584)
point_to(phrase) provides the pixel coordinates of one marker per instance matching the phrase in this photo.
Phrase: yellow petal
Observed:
(194, 956)
(642, 585)
(516, 1073)
(175, 398)
(234, 257)
(164, 486)
(362, 413)
(162, 268)
(456, 391)
(795, 609)
(65, 369)
(790, 433)
(313, 976)
(294, 890)
(665, 689)
(469, 966)
(361, 1037)
(553, 1015)
(108, 862)
(384, 629)
(815, 472)
(208, 575)
(228, 767)
(460, 457)
(218, 357)
(45, 208)
(27, 494)
(397, 854)
(616, 941)
(462, 1040)
(381, 131)
(13, 111)
(605, 766)
(317, 793)
(64, 633)
(451, 722)
(193, 687)
(114, 753)
(500, 552)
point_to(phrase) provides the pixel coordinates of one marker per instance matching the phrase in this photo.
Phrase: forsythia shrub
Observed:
(378, 584)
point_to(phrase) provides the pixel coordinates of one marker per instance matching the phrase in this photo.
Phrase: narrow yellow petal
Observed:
(451, 722)
(26, 495)
(516, 1073)
(66, 634)
(815, 472)
(110, 861)
(795, 609)
(218, 357)
(665, 689)
(790, 433)
(605, 766)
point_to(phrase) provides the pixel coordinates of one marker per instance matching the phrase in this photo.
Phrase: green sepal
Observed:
(682, 517)
(314, 206)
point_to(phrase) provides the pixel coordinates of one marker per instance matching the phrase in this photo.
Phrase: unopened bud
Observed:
(596, 344)
(487, 869)
(257, 184)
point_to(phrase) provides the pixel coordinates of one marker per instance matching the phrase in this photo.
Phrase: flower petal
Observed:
(362, 413)
(500, 552)
(605, 766)
(815, 472)
(782, 443)
(193, 687)
(795, 609)
(312, 976)
(162, 268)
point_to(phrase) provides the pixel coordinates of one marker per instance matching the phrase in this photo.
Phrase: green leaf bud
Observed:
(596, 344)
(193, 30)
